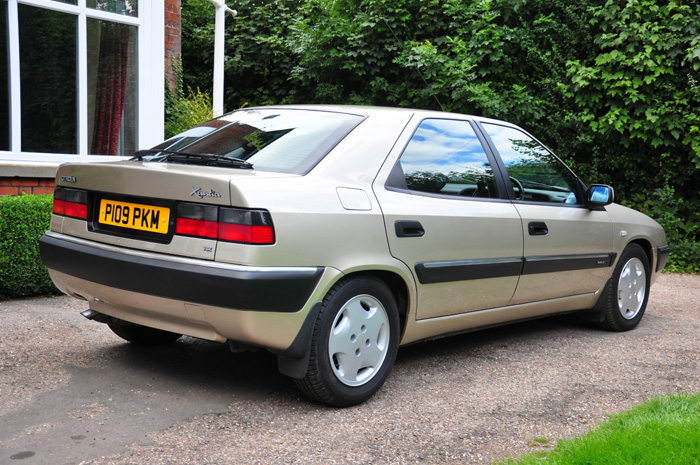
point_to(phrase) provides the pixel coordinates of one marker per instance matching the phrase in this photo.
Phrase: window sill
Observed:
(11, 169)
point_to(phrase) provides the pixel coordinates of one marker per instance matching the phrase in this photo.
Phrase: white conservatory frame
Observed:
(150, 93)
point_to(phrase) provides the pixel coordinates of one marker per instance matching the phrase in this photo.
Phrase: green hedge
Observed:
(23, 219)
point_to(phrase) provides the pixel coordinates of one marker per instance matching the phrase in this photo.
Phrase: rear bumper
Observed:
(269, 307)
(263, 289)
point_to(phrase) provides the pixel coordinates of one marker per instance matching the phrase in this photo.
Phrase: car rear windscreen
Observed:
(282, 140)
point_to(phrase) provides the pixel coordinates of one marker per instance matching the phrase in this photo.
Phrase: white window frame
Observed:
(151, 79)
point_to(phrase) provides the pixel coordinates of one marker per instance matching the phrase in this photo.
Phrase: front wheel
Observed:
(354, 343)
(629, 292)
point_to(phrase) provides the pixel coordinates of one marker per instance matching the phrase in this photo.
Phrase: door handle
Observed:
(537, 228)
(409, 229)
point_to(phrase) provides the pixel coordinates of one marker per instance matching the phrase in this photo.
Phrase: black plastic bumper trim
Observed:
(547, 264)
(465, 270)
(445, 272)
(663, 253)
(236, 287)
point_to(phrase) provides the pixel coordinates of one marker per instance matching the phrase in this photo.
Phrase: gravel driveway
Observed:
(72, 392)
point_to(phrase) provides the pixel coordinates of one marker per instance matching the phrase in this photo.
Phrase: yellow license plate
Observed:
(134, 216)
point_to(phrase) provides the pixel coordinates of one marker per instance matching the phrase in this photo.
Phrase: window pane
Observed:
(446, 157)
(48, 79)
(112, 91)
(287, 141)
(4, 82)
(536, 173)
(121, 7)
(70, 2)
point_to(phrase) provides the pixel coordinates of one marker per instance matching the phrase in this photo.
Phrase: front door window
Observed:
(535, 173)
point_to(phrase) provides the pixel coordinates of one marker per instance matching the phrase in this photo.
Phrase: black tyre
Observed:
(142, 335)
(629, 290)
(354, 343)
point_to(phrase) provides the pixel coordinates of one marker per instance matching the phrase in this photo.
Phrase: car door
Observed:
(567, 246)
(447, 219)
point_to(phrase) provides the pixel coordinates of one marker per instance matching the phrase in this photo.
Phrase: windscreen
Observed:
(283, 140)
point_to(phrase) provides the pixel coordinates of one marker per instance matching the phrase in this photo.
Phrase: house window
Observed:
(4, 82)
(122, 7)
(80, 80)
(48, 80)
(112, 85)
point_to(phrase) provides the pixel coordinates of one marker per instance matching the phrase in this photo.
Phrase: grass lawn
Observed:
(662, 431)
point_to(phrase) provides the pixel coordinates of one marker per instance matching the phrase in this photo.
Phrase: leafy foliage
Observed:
(23, 219)
(641, 83)
(426, 181)
(184, 111)
(665, 207)
(258, 63)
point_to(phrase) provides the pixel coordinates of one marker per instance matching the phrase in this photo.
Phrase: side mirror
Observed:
(599, 195)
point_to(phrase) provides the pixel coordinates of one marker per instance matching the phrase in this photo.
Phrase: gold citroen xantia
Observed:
(332, 235)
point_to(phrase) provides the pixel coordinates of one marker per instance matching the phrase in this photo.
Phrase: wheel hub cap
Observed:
(631, 289)
(359, 340)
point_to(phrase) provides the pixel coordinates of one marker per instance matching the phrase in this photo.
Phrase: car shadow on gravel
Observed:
(498, 336)
(191, 364)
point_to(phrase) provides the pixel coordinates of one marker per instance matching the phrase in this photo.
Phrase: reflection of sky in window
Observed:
(528, 159)
(445, 146)
(506, 140)
(269, 120)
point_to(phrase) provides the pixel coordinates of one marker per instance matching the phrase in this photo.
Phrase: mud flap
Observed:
(294, 361)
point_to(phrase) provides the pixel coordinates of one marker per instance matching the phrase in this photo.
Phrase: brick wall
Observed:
(18, 185)
(173, 43)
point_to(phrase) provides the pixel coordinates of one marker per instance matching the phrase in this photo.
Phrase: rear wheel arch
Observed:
(294, 362)
(397, 286)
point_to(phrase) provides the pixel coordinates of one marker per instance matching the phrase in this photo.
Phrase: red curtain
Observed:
(111, 88)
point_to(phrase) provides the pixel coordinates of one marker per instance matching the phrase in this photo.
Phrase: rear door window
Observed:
(446, 157)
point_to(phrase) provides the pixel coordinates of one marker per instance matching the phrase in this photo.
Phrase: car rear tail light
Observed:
(225, 224)
(246, 226)
(70, 202)
(197, 220)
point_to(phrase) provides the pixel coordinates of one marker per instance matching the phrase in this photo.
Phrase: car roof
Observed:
(378, 111)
